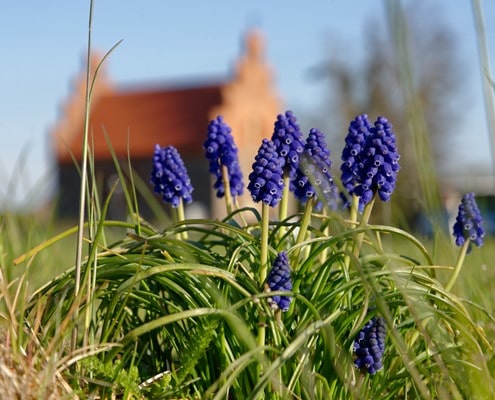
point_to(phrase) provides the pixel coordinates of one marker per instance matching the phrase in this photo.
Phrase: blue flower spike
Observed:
(289, 144)
(313, 178)
(369, 346)
(370, 160)
(221, 152)
(169, 176)
(279, 279)
(359, 130)
(468, 229)
(266, 183)
(469, 223)
(288, 140)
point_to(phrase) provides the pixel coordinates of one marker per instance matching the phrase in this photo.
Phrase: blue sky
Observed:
(42, 47)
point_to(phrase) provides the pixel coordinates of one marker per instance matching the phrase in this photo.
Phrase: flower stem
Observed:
(353, 215)
(354, 209)
(306, 220)
(265, 219)
(458, 265)
(284, 203)
(226, 185)
(180, 216)
(364, 221)
(354, 248)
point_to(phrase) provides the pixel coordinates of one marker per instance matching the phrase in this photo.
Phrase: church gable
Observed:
(134, 120)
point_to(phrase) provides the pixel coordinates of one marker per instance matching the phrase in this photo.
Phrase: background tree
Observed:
(372, 82)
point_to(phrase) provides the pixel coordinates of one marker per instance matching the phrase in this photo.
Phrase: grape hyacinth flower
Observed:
(279, 279)
(169, 176)
(265, 182)
(288, 140)
(468, 229)
(370, 160)
(312, 177)
(469, 223)
(359, 130)
(369, 346)
(221, 151)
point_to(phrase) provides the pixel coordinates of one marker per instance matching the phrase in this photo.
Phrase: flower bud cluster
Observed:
(169, 176)
(469, 223)
(266, 183)
(221, 151)
(369, 345)
(370, 160)
(313, 178)
(280, 279)
(288, 140)
(359, 130)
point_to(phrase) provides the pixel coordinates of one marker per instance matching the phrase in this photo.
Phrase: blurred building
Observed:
(131, 120)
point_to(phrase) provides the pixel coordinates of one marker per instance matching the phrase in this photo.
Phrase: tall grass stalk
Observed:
(84, 171)
(486, 74)
(424, 160)
(91, 77)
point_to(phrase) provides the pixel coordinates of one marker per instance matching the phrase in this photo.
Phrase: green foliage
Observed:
(193, 309)
(110, 378)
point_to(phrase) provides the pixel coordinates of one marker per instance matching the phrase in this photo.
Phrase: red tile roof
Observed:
(147, 117)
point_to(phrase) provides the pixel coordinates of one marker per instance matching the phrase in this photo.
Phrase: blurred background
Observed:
(415, 62)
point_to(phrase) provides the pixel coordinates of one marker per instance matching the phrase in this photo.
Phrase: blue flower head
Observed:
(369, 346)
(288, 140)
(169, 176)
(265, 182)
(312, 177)
(359, 130)
(279, 279)
(221, 151)
(370, 160)
(469, 223)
